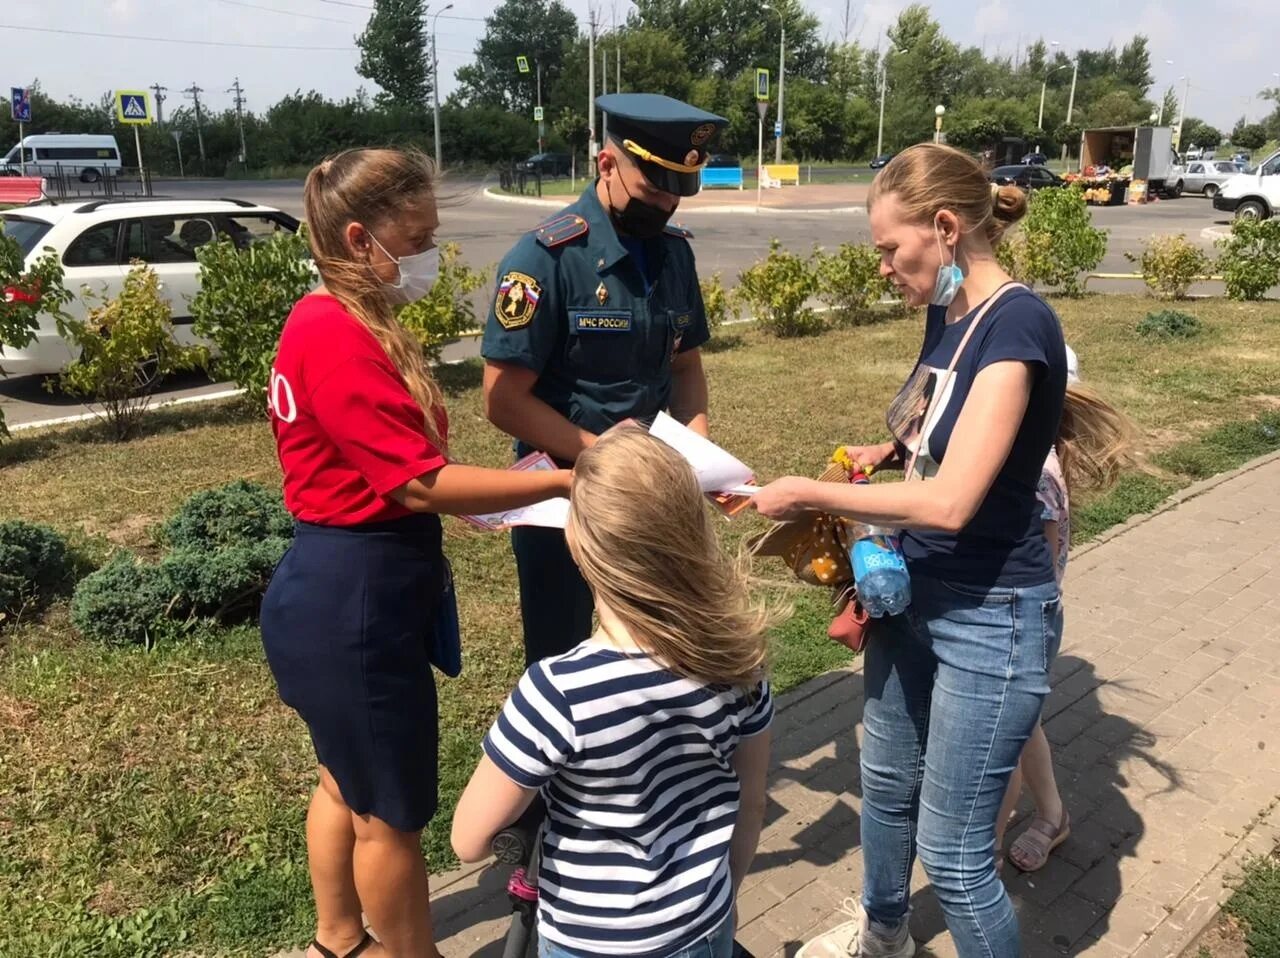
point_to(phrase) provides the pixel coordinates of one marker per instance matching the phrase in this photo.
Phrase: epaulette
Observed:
(674, 229)
(560, 230)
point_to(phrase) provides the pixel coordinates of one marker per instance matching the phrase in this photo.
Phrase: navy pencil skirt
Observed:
(346, 623)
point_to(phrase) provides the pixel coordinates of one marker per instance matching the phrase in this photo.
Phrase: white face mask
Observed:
(417, 274)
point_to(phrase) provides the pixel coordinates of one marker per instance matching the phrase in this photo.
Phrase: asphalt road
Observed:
(725, 242)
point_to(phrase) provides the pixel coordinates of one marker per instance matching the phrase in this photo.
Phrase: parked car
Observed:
(97, 240)
(881, 161)
(1028, 177)
(1035, 159)
(1254, 195)
(722, 161)
(548, 164)
(1206, 177)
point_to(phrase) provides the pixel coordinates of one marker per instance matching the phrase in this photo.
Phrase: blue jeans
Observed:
(953, 689)
(718, 944)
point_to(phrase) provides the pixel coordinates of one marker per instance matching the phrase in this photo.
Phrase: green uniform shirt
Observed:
(573, 306)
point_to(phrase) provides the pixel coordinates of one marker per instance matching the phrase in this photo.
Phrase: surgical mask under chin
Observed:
(950, 277)
(638, 218)
(417, 274)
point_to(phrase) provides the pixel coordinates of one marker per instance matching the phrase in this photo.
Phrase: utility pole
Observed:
(1071, 102)
(782, 77)
(604, 70)
(542, 127)
(884, 78)
(194, 92)
(591, 86)
(159, 92)
(435, 87)
(239, 102)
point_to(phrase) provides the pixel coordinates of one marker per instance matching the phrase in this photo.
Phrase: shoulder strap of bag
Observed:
(945, 379)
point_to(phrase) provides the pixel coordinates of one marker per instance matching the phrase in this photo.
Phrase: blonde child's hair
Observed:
(1094, 441)
(645, 542)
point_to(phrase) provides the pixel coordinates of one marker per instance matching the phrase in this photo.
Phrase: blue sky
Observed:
(1227, 67)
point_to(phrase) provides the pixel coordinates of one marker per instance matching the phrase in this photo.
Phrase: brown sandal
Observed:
(1038, 841)
(365, 942)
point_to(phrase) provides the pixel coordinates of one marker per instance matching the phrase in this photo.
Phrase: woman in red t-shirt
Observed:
(361, 606)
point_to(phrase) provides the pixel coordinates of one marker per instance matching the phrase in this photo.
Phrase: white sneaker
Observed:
(857, 939)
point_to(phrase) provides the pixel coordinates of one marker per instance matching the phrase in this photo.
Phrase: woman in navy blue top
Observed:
(955, 683)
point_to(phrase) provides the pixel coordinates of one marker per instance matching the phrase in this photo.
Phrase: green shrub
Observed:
(223, 544)
(35, 566)
(777, 291)
(1057, 244)
(245, 297)
(1250, 258)
(237, 513)
(717, 302)
(220, 583)
(126, 346)
(445, 312)
(1170, 324)
(35, 291)
(1170, 264)
(850, 283)
(124, 603)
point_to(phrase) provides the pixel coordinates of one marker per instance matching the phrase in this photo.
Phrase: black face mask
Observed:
(639, 219)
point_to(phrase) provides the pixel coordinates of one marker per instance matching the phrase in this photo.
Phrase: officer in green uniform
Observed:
(597, 318)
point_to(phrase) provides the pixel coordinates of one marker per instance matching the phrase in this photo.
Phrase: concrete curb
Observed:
(1193, 491)
(735, 208)
(1202, 905)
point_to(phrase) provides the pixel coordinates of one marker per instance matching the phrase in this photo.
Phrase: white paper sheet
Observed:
(717, 470)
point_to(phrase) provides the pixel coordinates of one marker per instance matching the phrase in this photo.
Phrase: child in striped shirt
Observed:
(649, 741)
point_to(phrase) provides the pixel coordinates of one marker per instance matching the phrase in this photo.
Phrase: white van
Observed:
(1253, 195)
(86, 155)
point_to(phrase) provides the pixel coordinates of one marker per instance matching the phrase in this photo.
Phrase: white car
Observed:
(97, 240)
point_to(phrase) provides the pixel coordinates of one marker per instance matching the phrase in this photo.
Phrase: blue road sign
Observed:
(777, 128)
(20, 104)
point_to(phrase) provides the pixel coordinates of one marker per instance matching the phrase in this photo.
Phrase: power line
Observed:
(288, 13)
(203, 43)
(367, 9)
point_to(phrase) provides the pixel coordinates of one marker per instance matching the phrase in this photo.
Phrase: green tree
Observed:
(1133, 65)
(1250, 136)
(725, 37)
(1171, 107)
(1119, 108)
(393, 51)
(539, 30)
(1196, 132)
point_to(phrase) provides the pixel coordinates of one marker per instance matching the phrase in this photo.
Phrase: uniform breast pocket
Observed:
(604, 344)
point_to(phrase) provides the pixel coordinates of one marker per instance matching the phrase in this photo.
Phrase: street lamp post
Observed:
(435, 85)
(1071, 100)
(1158, 118)
(938, 112)
(1182, 113)
(1043, 87)
(782, 79)
(884, 71)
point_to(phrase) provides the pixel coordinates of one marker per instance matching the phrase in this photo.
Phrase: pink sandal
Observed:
(1031, 850)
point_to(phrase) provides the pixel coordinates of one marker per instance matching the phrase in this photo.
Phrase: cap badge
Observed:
(702, 133)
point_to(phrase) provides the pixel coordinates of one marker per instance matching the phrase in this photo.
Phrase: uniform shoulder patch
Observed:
(517, 300)
(561, 229)
(675, 229)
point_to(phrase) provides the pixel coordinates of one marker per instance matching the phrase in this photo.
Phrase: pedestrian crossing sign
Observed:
(133, 107)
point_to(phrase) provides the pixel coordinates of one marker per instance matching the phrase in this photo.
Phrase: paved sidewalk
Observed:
(1165, 719)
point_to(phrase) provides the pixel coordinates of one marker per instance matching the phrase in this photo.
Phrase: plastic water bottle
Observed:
(879, 568)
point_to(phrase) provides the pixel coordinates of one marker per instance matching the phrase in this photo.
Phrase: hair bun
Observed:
(1008, 203)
